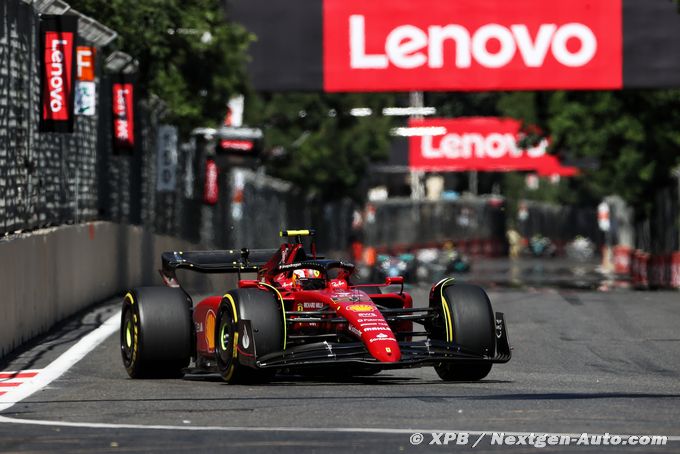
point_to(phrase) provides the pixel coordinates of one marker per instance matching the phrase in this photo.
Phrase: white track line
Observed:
(88, 343)
(370, 430)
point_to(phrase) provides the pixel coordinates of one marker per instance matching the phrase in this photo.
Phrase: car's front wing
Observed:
(413, 354)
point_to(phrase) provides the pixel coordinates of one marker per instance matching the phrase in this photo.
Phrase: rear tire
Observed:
(262, 309)
(473, 324)
(155, 332)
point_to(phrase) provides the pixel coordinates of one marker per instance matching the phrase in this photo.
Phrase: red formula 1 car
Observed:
(303, 311)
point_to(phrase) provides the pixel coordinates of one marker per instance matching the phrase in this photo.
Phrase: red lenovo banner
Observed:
(123, 116)
(481, 143)
(471, 45)
(57, 56)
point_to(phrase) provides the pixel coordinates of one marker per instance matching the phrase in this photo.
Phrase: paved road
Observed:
(584, 361)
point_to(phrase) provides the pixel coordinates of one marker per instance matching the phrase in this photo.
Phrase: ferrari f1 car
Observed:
(303, 311)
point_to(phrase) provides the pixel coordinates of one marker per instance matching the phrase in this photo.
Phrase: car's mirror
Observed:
(396, 280)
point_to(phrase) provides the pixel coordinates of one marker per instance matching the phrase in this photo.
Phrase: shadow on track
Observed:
(66, 332)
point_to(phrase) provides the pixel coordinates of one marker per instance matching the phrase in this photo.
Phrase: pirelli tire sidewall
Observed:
(472, 317)
(467, 319)
(263, 312)
(155, 335)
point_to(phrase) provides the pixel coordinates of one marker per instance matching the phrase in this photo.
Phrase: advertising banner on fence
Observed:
(86, 98)
(85, 58)
(58, 36)
(477, 143)
(166, 164)
(123, 115)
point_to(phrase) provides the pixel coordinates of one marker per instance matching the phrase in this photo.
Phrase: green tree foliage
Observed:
(188, 54)
(633, 135)
(320, 146)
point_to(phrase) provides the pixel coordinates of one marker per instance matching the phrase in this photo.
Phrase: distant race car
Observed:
(303, 311)
(403, 265)
(435, 264)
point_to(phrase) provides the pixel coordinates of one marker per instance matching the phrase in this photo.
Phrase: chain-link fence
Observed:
(559, 223)
(45, 178)
(56, 178)
(417, 223)
(51, 179)
(254, 207)
(660, 233)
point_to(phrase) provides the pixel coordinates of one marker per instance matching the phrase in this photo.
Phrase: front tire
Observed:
(263, 312)
(472, 326)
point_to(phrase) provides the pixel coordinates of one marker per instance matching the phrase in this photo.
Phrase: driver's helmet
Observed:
(307, 274)
(308, 279)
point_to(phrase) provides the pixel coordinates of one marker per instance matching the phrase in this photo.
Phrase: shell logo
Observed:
(210, 330)
(360, 308)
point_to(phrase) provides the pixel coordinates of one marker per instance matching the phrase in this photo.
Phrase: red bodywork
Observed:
(337, 297)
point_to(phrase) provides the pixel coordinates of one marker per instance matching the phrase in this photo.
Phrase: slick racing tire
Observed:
(472, 325)
(155, 332)
(263, 312)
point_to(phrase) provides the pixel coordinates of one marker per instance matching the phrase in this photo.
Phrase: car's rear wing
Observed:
(226, 261)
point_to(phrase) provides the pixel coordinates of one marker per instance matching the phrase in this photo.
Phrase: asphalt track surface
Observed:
(584, 361)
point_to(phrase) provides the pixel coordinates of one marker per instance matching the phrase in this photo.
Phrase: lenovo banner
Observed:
(480, 143)
(123, 115)
(459, 45)
(471, 45)
(58, 35)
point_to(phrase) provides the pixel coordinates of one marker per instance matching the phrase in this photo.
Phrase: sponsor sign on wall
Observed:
(86, 98)
(471, 45)
(123, 115)
(479, 143)
(85, 59)
(57, 57)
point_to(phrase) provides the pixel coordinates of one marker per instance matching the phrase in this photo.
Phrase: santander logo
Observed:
(123, 115)
(409, 46)
(120, 109)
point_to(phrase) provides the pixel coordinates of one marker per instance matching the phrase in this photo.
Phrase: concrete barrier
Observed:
(49, 275)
